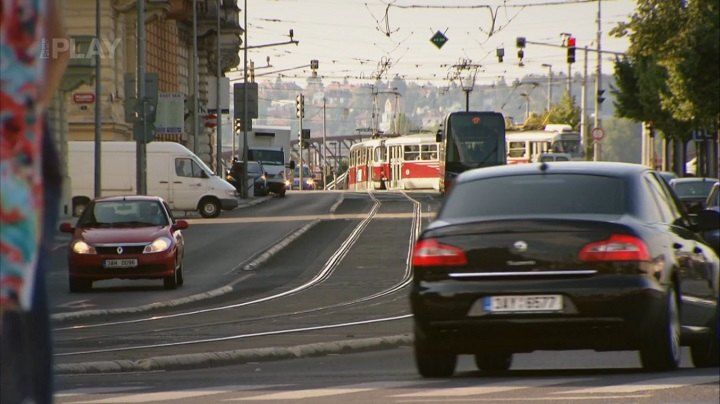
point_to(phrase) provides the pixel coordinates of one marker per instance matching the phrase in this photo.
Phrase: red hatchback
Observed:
(127, 237)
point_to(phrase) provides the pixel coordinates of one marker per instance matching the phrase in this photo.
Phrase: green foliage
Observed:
(670, 75)
(622, 141)
(564, 112)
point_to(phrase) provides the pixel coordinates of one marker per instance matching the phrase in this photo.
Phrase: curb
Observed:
(235, 357)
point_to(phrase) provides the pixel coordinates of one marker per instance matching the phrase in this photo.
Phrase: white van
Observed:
(174, 173)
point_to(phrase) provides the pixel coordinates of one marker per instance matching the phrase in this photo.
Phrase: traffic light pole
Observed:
(140, 165)
(243, 180)
(300, 112)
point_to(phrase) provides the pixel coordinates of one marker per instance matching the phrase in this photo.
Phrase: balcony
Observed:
(230, 30)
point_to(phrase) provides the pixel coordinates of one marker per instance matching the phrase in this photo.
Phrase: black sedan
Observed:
(557, 256)
(255, 173)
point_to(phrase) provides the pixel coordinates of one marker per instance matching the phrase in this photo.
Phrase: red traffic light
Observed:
(571, 42)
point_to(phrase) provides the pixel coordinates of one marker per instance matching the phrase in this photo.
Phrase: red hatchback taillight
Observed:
(431, 253)
(619, 247)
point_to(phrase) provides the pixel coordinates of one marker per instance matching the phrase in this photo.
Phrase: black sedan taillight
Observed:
(618, 247)
(433, 253)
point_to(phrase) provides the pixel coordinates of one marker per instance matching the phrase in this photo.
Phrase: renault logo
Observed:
(120, 250)
(520, 246)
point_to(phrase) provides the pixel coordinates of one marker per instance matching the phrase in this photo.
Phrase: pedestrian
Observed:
(33, 56)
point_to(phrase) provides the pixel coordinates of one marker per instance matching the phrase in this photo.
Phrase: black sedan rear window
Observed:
(536, 194)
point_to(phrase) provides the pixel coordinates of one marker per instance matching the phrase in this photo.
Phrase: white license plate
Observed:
(522, 303)
(121, 263)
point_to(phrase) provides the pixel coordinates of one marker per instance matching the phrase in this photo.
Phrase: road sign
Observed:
(439, 39)
(83, 98)
(598, 133)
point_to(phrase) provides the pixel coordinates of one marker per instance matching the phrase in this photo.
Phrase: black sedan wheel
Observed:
(661, 349)
(493, 362)
(430, 362)
(706, 353)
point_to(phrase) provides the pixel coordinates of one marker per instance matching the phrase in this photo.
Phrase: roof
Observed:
(130, 198)
(567, 167)
(692, 179)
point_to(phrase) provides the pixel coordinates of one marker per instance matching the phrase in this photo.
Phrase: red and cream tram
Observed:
(413, 162)
(367, 164)
(404, 162)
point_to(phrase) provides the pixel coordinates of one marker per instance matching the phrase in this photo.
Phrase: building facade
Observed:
(169, 47)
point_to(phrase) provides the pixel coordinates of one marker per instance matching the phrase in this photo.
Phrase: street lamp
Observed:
(467, 82)
(549, 90)
(527, 105)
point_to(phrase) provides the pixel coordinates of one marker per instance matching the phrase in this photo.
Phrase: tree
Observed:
(670, 75)
(564, 112)
(624, 140)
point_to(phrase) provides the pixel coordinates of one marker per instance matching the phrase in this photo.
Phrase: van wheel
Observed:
(209, 208)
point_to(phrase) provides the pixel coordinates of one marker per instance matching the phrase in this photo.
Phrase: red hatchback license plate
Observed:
(120, 263)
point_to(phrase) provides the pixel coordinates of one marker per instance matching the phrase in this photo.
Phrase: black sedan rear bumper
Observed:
(610, 313)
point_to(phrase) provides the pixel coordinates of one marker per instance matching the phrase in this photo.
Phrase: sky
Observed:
(359, 40)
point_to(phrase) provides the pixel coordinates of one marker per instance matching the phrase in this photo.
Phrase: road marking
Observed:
(489, 388)
(327, 391)
(77, 304)
(95, 390)
(331, 216)
(149, 397)
(645, 385)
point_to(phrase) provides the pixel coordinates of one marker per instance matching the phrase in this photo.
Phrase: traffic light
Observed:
(600, 97)
(237, 125)
(571, 50)
(520, 43)
(500, 52)
(300, 106)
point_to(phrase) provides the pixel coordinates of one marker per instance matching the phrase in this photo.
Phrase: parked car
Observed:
(667, 175)
(545, 157)
(557, 256)
(693, 191)
(710, 218)
(127, 237)
(308, 180)
(255, 173)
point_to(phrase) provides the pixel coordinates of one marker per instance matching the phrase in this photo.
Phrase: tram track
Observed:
(122, 329)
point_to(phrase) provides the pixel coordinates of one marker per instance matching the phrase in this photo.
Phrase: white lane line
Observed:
(95, 390)
(176, 395)
(327, 391)
(488, 388)
(646, 385)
